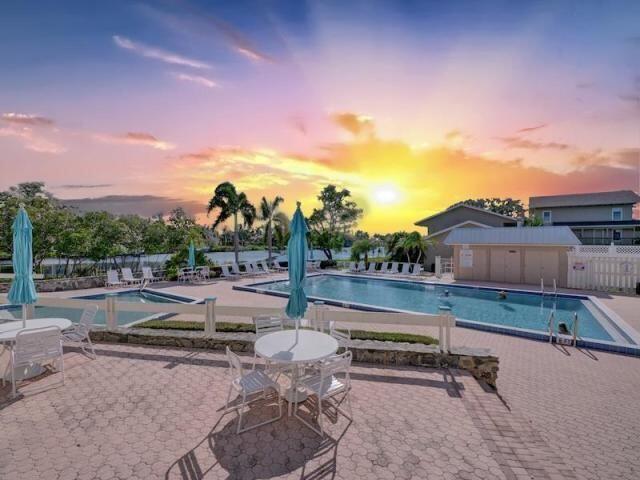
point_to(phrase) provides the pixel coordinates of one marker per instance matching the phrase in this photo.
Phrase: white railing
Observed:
(210, 309)
(607, 268)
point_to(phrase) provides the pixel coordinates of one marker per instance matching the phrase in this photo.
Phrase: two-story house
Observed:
(460, 216)
(600, 218)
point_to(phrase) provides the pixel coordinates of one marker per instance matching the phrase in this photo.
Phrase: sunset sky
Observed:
(411, 105)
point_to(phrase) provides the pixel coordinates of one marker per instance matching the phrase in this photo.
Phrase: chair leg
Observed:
(255, 359)
(62, 365)
(13, 378)
(241, 412)
(93, 351)
(320, 421)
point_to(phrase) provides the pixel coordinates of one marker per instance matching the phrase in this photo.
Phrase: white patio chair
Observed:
(394, 268)
(417, 268)
(185, 274)
(248, 385)
(332, 380)
(266, 324)
(147, 275)
(372, 267)
(127, 276)
(226, 273)
(36, 346)
(113, 280)
(341, 334)
(79, 332)
(203, 273)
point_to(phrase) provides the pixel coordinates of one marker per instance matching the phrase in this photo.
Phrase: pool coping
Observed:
(185, 299)
(604, 345)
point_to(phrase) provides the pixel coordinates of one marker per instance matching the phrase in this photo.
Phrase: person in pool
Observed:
(502, 295)
(446, 293)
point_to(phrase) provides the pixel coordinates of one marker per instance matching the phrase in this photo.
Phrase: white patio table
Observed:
(295, 348)
(8, 333)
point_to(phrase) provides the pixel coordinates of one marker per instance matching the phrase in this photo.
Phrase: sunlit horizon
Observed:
(412, 107)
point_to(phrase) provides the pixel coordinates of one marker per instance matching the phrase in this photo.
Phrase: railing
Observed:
(614, 268)
(209, 310)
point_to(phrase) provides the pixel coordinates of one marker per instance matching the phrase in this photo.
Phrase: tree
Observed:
(503, 206)
(281, 229)
(268, 210)
(362, 247)
(330, 223)
(412, 244)
(229, 203)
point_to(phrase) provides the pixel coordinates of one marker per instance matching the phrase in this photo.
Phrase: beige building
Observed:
(460, 216)
(522, 255)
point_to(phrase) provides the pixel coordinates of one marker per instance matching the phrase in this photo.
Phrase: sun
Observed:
(386, 194)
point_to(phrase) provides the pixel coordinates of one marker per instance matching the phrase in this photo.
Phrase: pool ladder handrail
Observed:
(143, 285)
(574, 327)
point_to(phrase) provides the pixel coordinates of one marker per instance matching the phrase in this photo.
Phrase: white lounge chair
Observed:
(276, 265)
(36, 345)
(79, 332)
(127, 276)
(247, 385)
(185, 274)
(113, 280)
(253, 268)
(265, 267)
(404, 268)
(394, 268)
(147, 275)
(235, 268)
(353, 267)
(332, 380)
(372, 267)
(361, 266)
(226, 273)
(417, 268)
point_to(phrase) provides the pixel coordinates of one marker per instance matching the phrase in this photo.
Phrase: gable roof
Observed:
(421, 223)
(548, 236)
(618, 197)
(458, 225)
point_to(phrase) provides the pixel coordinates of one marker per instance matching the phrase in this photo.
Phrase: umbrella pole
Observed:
(24, 316)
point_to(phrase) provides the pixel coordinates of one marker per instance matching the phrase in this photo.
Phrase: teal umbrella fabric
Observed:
(23, 290)
(297, 256)
(192, 255)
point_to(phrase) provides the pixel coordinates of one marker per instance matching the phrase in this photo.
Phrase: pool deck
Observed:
(143, 412)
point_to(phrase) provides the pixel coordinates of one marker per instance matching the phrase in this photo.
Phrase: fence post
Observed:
(318, 308)
(110, 311)
(210, 316)
(438, 267)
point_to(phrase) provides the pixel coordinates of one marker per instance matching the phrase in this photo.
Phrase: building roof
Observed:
(545, 236)
(421, 223)
(618, 197)
(602, 223)
(458, 225)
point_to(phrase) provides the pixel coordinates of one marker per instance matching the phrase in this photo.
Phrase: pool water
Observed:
(74, 314)
(520, 310)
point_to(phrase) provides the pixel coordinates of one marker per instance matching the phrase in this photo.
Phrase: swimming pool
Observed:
(9, 313)
(473, 306)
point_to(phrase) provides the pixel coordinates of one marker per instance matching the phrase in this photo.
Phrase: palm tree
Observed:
(281, 229)
(362, 247)
(414, 242)
(230, 203)
(268, 210)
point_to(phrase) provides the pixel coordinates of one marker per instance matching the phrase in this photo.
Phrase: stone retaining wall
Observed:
(61, 284)
(480, 362)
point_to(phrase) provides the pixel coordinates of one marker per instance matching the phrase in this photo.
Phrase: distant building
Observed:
(460, 216)
(512, 255)
(599, 218)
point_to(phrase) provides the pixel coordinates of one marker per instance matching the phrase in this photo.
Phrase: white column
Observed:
(110, 311)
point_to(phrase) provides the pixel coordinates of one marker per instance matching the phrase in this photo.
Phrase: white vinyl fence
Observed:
(604, 268)
(209, 310)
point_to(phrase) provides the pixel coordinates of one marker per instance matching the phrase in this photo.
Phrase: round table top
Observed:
(284, 347)
(9, 330)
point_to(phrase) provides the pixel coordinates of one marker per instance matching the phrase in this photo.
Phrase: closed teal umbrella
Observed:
(192, 255)
(297, 256)
(23, 290)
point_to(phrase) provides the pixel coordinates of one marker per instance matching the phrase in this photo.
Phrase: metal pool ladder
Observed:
(562, 338)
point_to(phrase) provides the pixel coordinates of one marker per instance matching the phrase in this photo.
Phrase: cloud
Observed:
(633, 98)
(144, 205)
(203, 81)
(532, 129)
(159, 54)
(32, 140)
(75, 186)
(358, 125)
(524, 144)
(135, 138)
(27, 119)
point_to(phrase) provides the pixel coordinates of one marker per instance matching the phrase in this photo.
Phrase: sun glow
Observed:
(386, 194)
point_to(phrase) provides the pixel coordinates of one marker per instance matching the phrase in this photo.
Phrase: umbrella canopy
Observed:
(297, 256)
(23, 290)
(192, 255)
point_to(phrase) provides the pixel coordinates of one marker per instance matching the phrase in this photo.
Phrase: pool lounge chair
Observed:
(372, 267)
(265, 267)
(226, 273)
(148, 276)
(417, 268)
(113, 280)
(353, 267)
(394, 268)
(276, 265)
(404, 268)
(127, 276)
(384, 267)
(254, 269)
(235, 268)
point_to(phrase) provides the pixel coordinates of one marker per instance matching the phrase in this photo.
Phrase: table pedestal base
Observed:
(292, 395)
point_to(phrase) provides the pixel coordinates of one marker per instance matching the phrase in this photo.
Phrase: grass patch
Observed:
(246, 327)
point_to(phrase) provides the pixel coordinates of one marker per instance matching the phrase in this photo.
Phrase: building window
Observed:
(617, 235)
(546, 216)
(616, 214)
